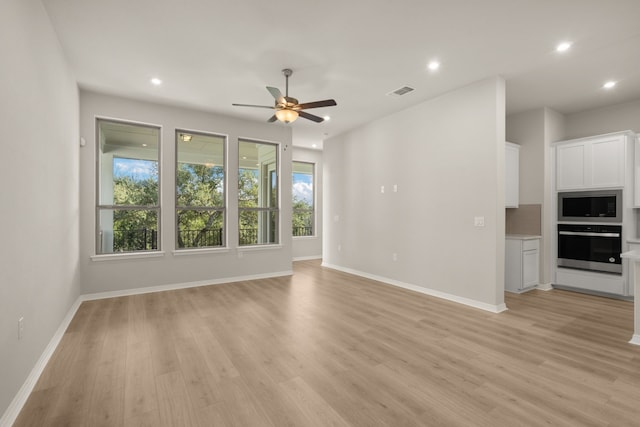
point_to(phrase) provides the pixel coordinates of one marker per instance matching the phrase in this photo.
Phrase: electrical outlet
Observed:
(382, 189)
(20, 328)
(394, 257)
(395, 188)
(478, 221)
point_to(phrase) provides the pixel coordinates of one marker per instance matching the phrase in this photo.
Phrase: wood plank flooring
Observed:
(324, 348)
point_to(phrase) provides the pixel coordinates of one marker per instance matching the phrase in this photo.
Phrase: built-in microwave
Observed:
(590, 206)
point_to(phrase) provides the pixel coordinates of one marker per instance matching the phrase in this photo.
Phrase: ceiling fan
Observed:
(288, 109)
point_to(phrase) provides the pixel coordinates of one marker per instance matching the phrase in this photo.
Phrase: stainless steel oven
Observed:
(594, 247)
(590, 206)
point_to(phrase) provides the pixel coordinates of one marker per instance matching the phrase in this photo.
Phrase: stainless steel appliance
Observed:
(590, 206)
(594, 247)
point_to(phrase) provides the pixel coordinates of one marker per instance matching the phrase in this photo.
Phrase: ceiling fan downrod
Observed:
(287, 72)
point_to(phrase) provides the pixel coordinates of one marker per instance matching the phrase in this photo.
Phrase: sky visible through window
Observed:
(136, 169)
(303, 187)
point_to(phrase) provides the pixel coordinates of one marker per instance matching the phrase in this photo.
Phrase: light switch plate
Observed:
(478, 221)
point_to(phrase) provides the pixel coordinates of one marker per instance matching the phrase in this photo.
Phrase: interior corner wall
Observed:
(554, 131)
(311, 247)
(613, 118)
(39, 272)
(125, 273)
(446, 157)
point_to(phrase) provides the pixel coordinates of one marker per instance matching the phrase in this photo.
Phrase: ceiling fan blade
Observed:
(310, 117)
(317, 104)
(272, 119)
(256, 106)
(275, 92)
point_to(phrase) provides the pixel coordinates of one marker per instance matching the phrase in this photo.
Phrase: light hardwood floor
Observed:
(324, 348)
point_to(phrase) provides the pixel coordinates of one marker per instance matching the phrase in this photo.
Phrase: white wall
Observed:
(599, 121)
(169, 269)
(39, 277)
(311, 247)
(554, 131)
(446, 156)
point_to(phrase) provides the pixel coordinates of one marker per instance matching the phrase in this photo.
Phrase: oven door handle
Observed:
(586, 234)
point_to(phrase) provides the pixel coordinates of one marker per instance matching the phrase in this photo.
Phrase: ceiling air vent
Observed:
(401, 91)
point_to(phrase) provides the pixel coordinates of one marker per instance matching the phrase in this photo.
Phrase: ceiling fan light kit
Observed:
(286, 115)
(287, 108)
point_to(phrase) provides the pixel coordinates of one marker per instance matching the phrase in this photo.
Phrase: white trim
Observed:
(314, 237)
(12, 412)
(128, 255)
(175, 286)
(544, 287)
(253, 248)
(201, 251)
(307, 258)
(427, 291)
(635, 340)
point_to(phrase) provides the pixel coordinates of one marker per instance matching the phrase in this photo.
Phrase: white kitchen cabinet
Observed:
(597, 162)
(522, 263)
(512, 175)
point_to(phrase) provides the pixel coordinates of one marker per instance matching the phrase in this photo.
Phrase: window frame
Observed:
(225, 234)
(100, 207)
(277, 209)
(313, 207)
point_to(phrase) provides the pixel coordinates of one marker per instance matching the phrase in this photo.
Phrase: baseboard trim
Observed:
(427, 291)
(176, 286)
(635, 340)
(11, 414)
(307, 258)
(544, 287)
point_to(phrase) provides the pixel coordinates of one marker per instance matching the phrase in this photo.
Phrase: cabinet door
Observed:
(571, 160)
(607, 162)
(511, 176)
(530, 266)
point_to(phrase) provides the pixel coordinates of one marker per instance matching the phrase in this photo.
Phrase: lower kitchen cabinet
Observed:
(522, 263)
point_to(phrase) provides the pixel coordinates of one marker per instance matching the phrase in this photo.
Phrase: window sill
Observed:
(129, 255)
(305, 237)
(202, 251)
(258, 248)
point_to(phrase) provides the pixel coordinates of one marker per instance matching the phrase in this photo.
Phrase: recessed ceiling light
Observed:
(144, 145)
(433, 65)
(156, 81)
(326, 118)
(314, 145)
(563, 47)
(244, 157)
(609, 85)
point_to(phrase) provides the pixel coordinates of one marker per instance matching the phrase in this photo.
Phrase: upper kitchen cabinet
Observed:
(512, 175)
(597, 162)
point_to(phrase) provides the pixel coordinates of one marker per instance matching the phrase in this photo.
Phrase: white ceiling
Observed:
(212, 53)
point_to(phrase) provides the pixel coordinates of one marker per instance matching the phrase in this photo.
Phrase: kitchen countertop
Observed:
(522, 237)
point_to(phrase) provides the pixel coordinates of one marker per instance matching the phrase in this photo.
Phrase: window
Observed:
(258, 200)
(303, 199)
(200, 199)
(127, 207)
